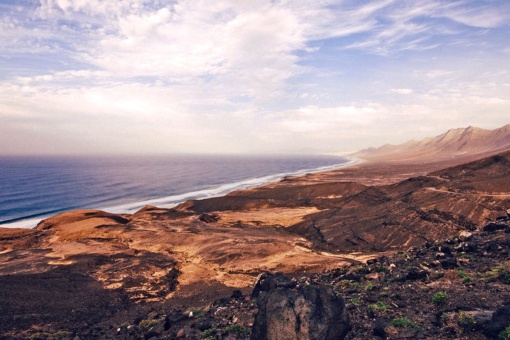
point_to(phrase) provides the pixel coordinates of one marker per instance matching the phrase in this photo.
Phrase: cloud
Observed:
(402, 91)
(238, 76)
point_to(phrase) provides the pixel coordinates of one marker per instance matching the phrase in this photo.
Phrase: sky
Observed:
(243, 76)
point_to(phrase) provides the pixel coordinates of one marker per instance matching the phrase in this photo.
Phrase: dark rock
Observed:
(221, 301)
(494, 226)
(310, 312)
(351, 277)
(445, 249)
(415, 274)
(237, 294)
(379, 328)
(449, 263)
(204, 324)
(176, 316)
(493, 246)
(499, 321)
(268, 281)
(481, 317)
(208, 218)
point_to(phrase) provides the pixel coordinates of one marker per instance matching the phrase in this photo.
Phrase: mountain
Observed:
(464, 143)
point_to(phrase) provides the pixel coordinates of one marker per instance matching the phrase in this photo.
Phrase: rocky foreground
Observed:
(455, 289)
(400, 250)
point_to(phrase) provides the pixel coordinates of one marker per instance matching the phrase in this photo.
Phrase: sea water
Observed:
(32, 188)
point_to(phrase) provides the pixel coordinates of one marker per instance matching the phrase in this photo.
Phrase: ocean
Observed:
(32, 188)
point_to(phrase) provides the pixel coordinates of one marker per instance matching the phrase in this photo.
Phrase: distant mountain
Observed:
(454, 144)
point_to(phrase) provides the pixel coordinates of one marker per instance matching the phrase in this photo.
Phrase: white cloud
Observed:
(234, 75)
(402, 91)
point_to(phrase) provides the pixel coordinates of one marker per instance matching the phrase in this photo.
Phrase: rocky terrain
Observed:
(413, 250)
(458, 288)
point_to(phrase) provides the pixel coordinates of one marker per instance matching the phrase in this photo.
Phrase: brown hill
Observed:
(464, 143)
(417, 210)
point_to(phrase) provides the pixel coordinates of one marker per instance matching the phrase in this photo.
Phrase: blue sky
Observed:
(140, 76)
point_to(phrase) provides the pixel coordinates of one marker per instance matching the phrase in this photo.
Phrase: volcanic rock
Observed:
(310, 312)
(500, 320)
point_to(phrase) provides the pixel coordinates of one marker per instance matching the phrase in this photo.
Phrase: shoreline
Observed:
(168, 202)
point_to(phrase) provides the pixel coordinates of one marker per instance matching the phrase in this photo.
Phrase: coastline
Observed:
(168, 202)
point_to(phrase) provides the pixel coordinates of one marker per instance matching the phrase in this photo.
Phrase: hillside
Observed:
(162, 272)
(464, 143)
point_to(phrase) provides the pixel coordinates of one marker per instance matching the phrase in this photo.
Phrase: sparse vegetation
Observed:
(403, 322)
(356, 301)
(209, 333)
(147, 324)
(504, 334)
(465, 278)
(236, 329)
(45, 336)
(466, 321)
(369, 286)
(501, 273)
(379, 306)
(439, 298)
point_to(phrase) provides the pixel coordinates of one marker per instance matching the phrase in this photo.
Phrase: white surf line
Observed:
(174, 200)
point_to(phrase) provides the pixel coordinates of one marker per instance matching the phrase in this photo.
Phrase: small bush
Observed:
(504, 334)
(501, 272)
(147, 324)
(466, 321)
(379, 306)
(236, 329)
(209, 333)
(403, 323)
(465, 278)
(369, 286)
(439, 298)
(57, 335)
(356, 301)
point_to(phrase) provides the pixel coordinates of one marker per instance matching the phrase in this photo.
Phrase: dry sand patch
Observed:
(269, 216)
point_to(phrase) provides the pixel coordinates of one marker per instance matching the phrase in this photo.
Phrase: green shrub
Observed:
(57, 335)
(356, 301)
(439, 298)
(465, 278)
(236, 329)
(504, 334)
(466, 321)
(209, 333)
(379, 306)
(403, 322)
(369, 286)
(147, 324)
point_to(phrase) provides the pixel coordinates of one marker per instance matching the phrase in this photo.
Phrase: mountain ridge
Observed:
(455, 143)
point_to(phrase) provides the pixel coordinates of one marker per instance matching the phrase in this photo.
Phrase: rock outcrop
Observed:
(308, 312)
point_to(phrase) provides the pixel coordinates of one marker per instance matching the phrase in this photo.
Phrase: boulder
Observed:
(449, 263)
(267, 281)
(499, 321)
(309, 312)
(415, 274)
(465, 235)
(494, 226)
